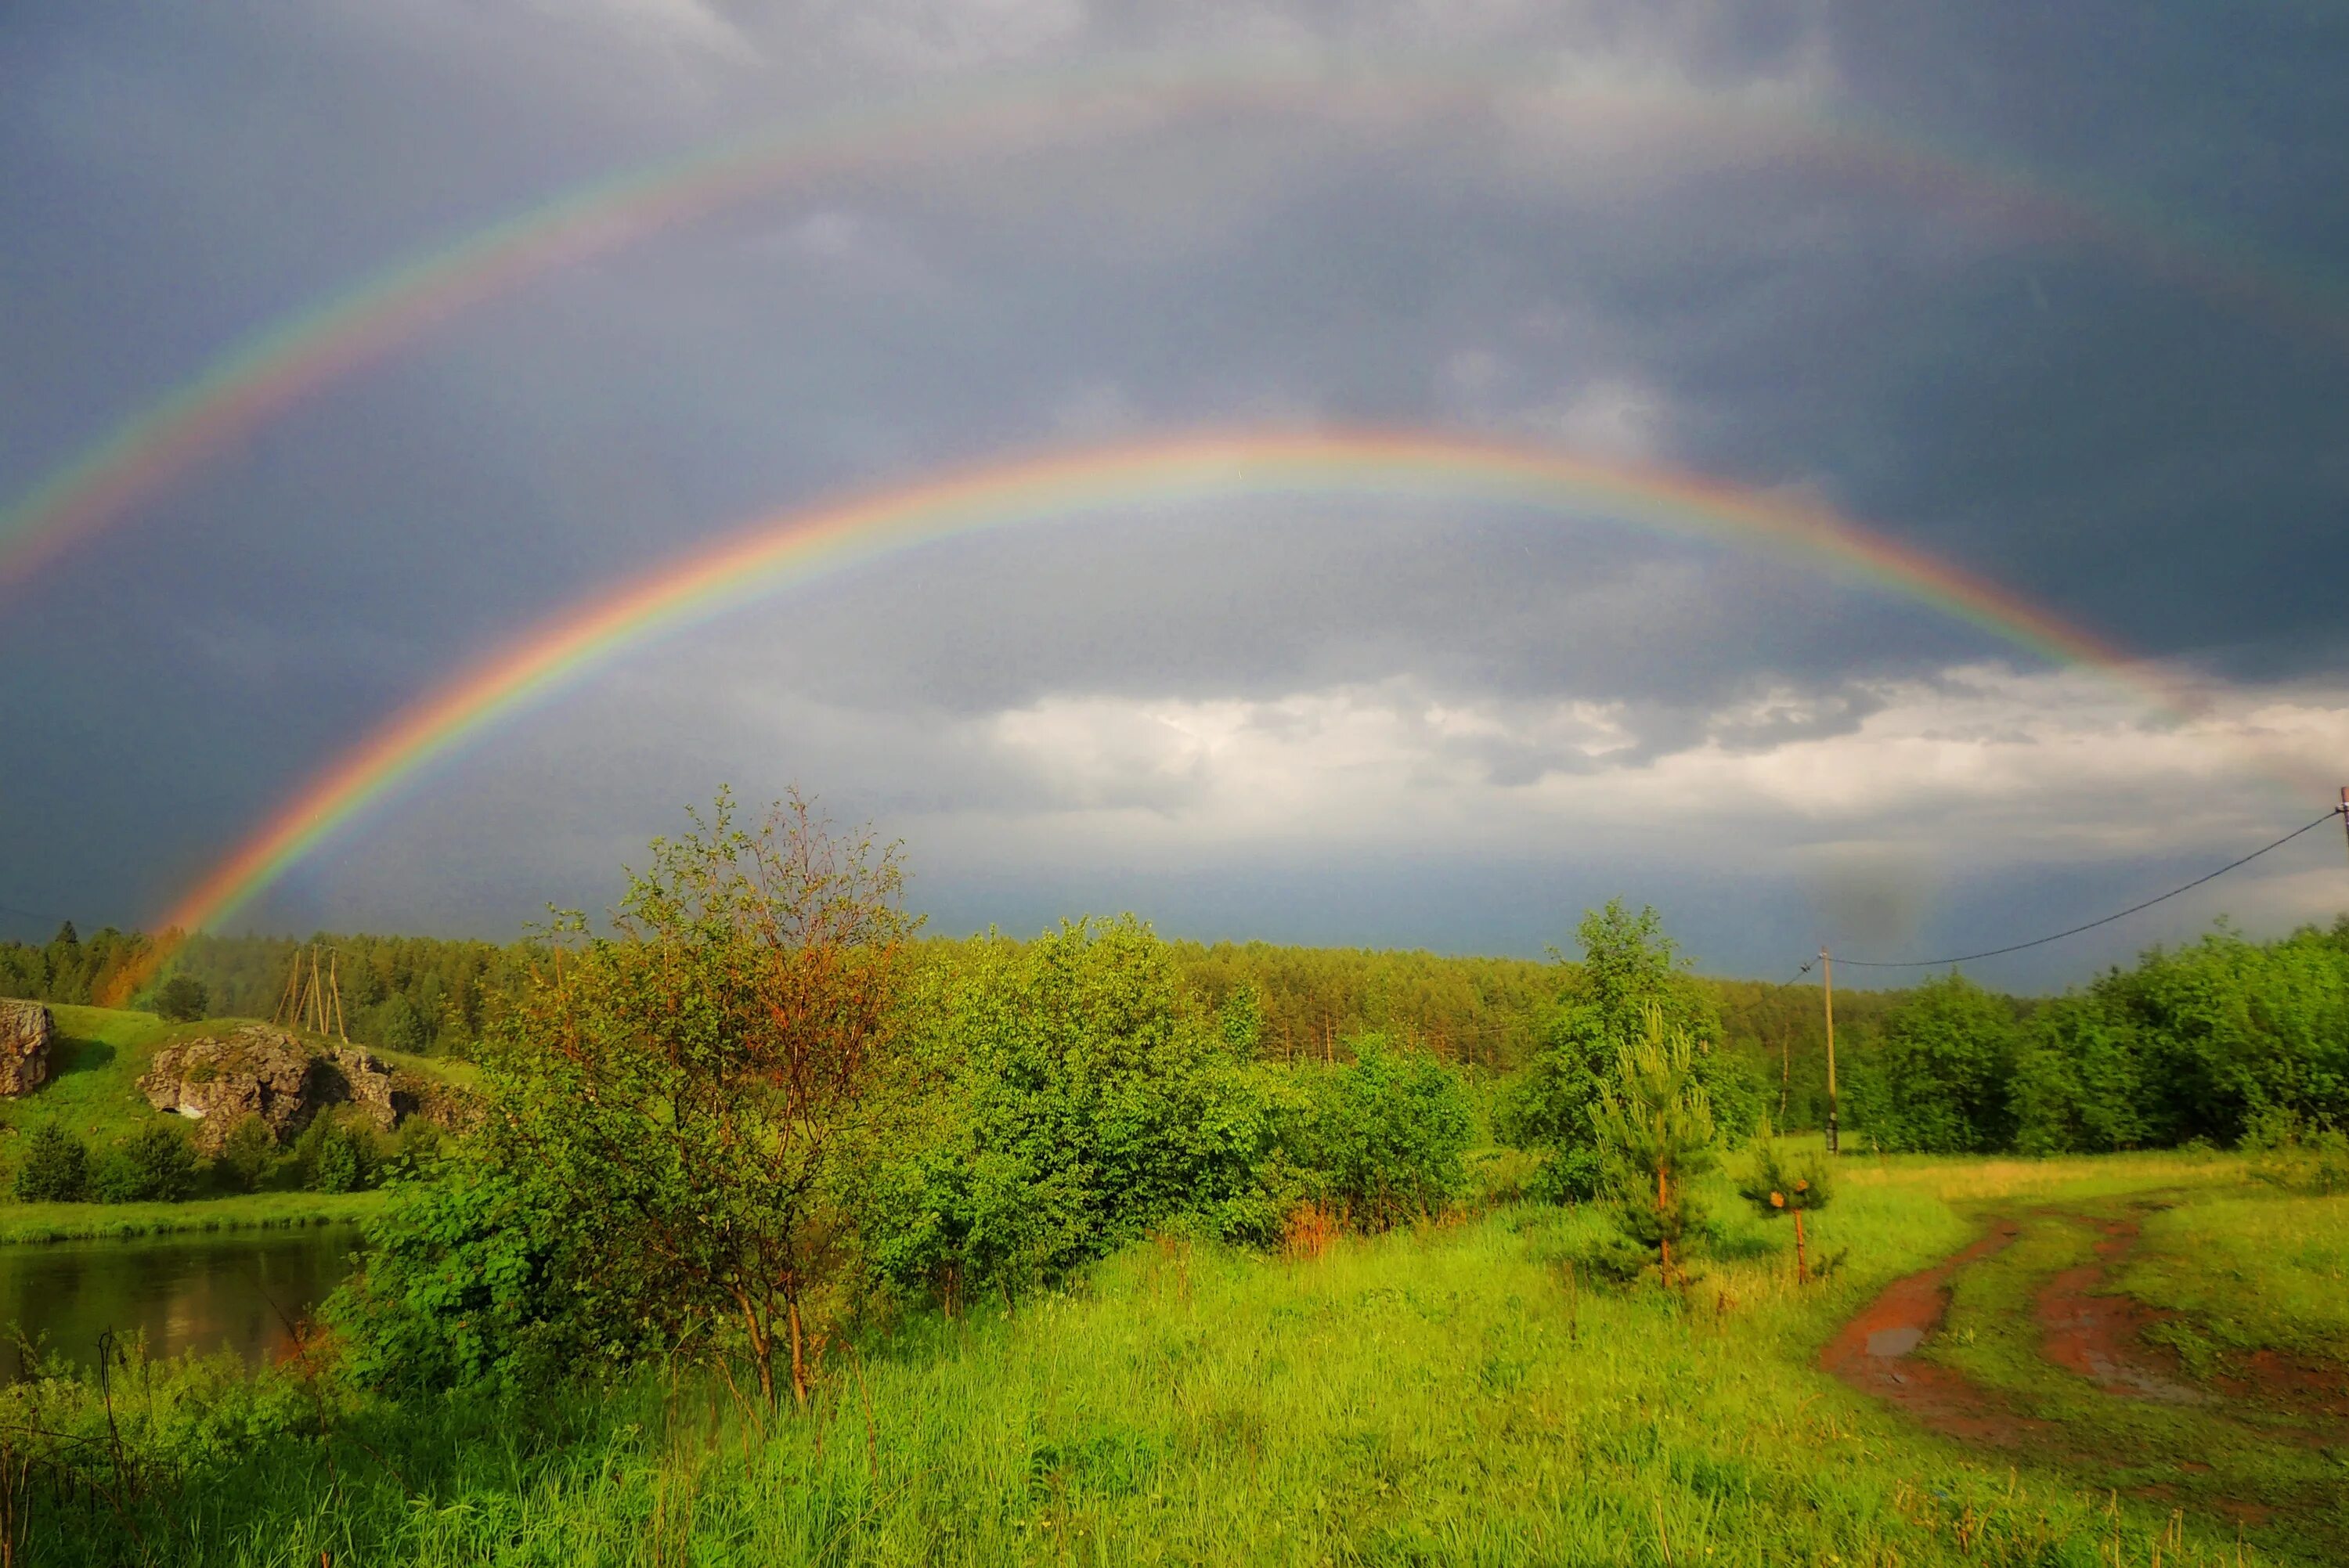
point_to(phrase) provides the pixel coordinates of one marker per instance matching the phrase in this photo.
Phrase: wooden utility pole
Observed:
(2344, 808)
(1827, 990)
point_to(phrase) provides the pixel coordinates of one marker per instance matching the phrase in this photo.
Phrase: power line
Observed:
(2124, 914)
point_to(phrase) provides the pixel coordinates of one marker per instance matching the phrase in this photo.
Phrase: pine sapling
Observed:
(1782, 1183)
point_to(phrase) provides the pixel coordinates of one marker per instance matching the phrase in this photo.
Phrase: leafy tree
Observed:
(55, 1168)
(1240, 1020)
(1655, 1130)
(153, 1165)
(473, 1278)
(683, 1086)
(1937, 1083)
(339, 1166)
(2079, 1080)
(1055, 1100)
(1392, 1133)
(182, 999)
(1630, 970)
(249, 1154)
(1780, 1183)
(398, 1024)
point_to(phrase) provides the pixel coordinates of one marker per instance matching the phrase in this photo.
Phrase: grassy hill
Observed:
(92, 1091)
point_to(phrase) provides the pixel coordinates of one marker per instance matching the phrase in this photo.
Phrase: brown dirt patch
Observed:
(1875, 1353)
(2100, 1335)
(2097, 1333)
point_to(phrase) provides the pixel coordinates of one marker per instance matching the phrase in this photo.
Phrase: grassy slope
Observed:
(2263, 1270)
(1455, 1395)
(93, 1090)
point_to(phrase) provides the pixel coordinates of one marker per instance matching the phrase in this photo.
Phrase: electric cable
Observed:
(2075, 931)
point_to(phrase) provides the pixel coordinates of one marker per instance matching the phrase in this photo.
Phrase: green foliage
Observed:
(70, 970)
(55, 1168)
(472, 1279)
(1631, 972)
(181, 999)
(681, 1094)
(1240, 1021)
(1655, 1132)
(1388, 1135)
(153, 1165)
(1938, 1082)
(248, 1155)
(398, 1024)
(1782, 1182)
(1056, 1100)
(339, 1168)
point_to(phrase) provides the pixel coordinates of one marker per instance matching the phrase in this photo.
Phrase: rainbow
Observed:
(279, 367)
(799, 546)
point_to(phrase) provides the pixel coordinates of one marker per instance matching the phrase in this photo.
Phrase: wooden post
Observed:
(335, 982)
(1826, 991)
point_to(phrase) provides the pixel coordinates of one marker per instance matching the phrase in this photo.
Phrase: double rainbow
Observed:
(275, 369)
(797, 547)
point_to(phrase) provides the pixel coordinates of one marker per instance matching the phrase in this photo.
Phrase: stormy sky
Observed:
(2060, 295)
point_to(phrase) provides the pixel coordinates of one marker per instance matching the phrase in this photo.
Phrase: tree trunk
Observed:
(799, 1358)
(763, 1346)
(1664, 1239)
(1802, 1268)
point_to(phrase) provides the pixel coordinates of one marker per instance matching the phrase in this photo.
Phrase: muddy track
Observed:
(2088, 1328)
(1875, 1353)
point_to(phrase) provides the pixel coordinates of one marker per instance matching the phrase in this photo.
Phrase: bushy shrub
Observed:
(468, 1279)
(333, 1154)
(1056, 1100)
(153, 1165)
(1388, 1135)
(396, 1024)
(248, 1156)
(182, 999)
(55, 1169)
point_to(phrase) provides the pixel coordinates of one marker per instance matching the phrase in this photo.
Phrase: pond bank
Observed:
(40, 1222)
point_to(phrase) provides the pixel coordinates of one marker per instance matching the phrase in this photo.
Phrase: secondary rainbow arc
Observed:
(275, 368)
(800, 545)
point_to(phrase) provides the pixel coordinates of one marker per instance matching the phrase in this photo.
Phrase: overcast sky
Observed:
(1391, 722)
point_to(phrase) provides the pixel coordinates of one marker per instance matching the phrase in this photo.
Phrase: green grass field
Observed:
(1458, 1394)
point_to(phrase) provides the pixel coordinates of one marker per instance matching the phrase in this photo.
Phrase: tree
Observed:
(1938, 1083)
(682, 1085)
(1630, 971)
(249, 1153)
(1240, 1020)
(182, 999)
(1784, 1184)
(1053, 1101)
(1654, 1124)
(55, 1168)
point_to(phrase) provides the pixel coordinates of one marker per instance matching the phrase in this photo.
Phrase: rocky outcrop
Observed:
(256, 1070)
(27, 1033)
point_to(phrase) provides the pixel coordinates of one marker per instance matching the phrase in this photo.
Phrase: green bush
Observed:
(153, 1165)
(182, 999)
(249, 1156)
(1388, 1135)
(55, 1168)
(1055, 1102)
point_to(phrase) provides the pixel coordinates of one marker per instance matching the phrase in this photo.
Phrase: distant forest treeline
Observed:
(2201, 1041)
(432, 995)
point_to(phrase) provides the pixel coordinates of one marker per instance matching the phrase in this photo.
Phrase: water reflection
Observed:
(241, 1291)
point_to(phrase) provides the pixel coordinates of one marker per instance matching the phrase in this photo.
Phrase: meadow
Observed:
(1452, 1392)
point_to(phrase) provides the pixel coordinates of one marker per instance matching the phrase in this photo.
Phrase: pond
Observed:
(233, 1290)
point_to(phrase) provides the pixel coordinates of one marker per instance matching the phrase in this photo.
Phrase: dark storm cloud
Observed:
(2167, 465)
